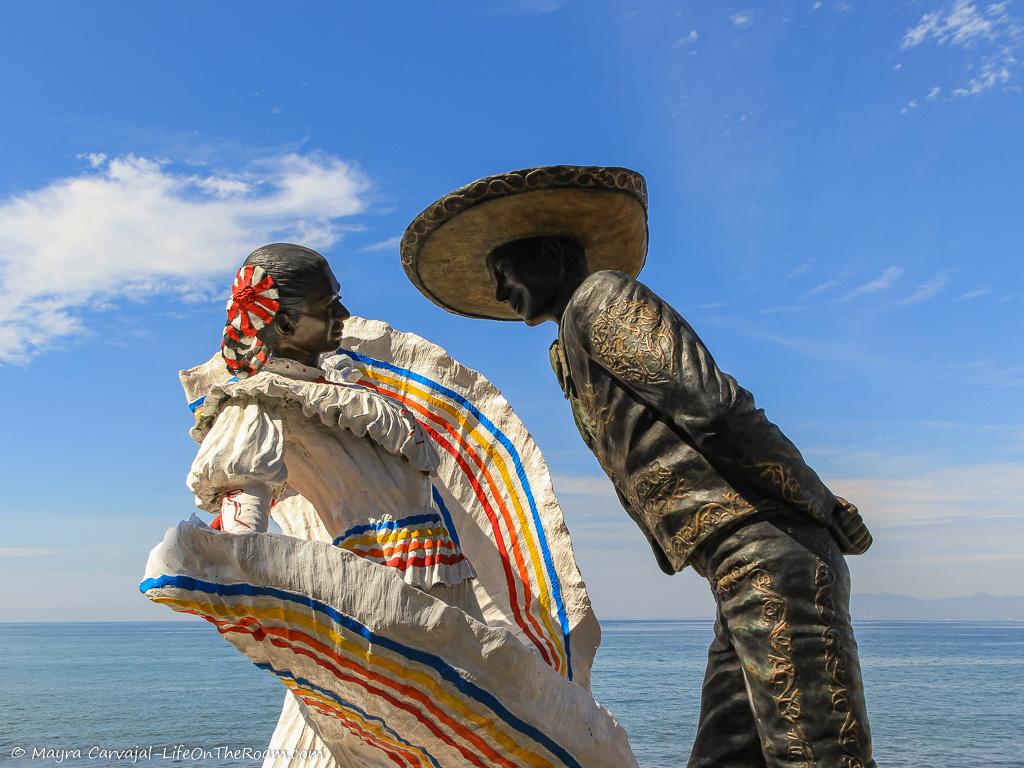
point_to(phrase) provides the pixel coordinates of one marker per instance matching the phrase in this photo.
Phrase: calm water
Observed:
(939, 694)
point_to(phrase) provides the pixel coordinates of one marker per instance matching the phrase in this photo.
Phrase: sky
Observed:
(835, 206)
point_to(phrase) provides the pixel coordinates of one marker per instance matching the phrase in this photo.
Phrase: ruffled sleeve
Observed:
(243, 449)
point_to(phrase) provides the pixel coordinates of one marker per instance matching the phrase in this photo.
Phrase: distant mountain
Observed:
(979, 607)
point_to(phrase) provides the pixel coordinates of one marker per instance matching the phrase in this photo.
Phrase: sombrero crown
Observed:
(444, 249)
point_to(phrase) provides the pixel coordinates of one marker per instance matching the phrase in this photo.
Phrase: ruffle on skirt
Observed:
(388, 674)
(419, 547)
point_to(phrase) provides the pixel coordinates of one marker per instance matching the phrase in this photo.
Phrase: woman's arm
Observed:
(239, 465)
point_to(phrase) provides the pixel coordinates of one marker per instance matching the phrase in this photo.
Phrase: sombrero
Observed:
(444, 249)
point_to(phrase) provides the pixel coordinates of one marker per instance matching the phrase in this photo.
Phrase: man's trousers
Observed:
(783, 684)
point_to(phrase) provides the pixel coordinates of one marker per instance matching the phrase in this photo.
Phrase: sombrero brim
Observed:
(444, 249)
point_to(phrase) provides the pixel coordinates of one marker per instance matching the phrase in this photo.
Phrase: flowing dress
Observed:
(416, 607)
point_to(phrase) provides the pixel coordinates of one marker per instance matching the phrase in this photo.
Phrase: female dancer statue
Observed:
(368, 608)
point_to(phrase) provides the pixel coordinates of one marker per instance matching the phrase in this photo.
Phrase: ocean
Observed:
(943, 694)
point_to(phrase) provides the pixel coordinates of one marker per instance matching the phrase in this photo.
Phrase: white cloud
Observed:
(975, 293)
(880, 283)
(946, 493)
(821, 288)
(532, 7)
(391, 244)
(991, 374)
(686, 42)
(742, 19)
(223, 187)
(993, 71)
(959, 24)
(927, 289)
(912, 104)
(95, 159)
(134, 227)
(922, 521)
(991, 34)
(801, 268)
(942, 494)
(933, 94)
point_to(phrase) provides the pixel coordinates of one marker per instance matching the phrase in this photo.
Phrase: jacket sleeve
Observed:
(239, 466)
(641, 341)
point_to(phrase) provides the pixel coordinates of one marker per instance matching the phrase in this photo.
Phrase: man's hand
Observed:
(849, 529)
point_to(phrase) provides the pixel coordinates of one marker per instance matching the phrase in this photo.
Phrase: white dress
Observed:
(368, 608)
(361, 462)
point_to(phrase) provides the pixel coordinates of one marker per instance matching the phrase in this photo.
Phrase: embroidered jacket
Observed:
(684, 445)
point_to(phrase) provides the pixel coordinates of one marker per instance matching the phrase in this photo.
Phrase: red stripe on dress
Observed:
(540, 639)
(360, 733)
(414, 546)
(402, 563)
(252, 626)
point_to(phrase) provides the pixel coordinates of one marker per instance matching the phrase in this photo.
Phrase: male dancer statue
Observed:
(710, 481)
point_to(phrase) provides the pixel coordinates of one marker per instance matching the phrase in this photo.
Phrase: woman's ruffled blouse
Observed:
(357, 409)
(359, 458)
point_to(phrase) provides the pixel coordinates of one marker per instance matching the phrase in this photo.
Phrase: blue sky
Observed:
(835, 207)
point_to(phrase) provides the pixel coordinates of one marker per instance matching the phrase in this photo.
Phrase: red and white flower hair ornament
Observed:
(253, 301)
(252, 306)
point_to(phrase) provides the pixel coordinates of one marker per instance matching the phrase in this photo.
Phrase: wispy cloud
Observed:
(927, 290)
(834, 351)
(133, 227)
(687, 40)
(391, 244)
(946, 493)
(742, 19)
(886, 280)
(917, 498)
(95, 159)
(959, 23)
(922, 522)
(974, 293)
(531, 7)
(990, 373)
(990, 35)
(801, 268)
(820, 288)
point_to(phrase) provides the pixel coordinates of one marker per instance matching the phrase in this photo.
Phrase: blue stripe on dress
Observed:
(556, 586)
(439, 665)
(386, 525)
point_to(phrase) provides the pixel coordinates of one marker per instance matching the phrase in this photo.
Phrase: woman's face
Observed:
(318, 328)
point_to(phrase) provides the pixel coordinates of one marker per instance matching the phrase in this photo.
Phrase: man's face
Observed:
(319, 327)
(527, 277)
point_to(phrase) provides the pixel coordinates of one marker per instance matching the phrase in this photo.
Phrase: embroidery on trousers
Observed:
(632, 340)
(835, 666)
(775, 614)
(735, 575)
